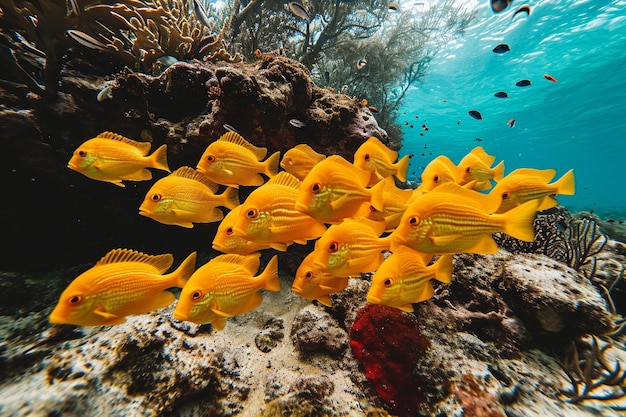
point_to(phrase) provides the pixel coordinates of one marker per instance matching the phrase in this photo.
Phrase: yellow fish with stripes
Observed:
(335, 190)
(299, 160)
(228, 240)
(122, 283)
(313, 284)
(231, 160)
(476, 166)
(438, 171)
(351, 247)
(224, 287)
(403, 279)
(186, 197)
(114, 158)
(452, 219)
(527, 184)
(375, 157)
(268, 216)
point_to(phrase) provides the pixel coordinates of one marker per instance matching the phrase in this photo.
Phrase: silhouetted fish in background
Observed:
(524, 8)
(523, 83)
(502, 48)
(299, 10)
(501, 94)
(498, 6)
(475, 114)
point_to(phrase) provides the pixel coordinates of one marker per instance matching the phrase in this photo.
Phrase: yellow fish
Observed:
(351, 247)
(230, 241)
(403, 279)
(375, 157)
(527, 184)
(439, 171)
(395, 201)
(268, 216)
(186, 197)
(225, 287)
(312, 284)
(113, 158)
(122, 283)
(299, 160)
(452, 219)
(475, 166)
(232, 160)
(335, 189)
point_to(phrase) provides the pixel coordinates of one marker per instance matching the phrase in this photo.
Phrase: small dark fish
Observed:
(524, 8)
(421, 134)
(511, 123)
(501, 94)
(411, 126)
(86, 40)
(361, 64)
(523, 83)
(458, 122)
(498, 6)
(201, 15)
(550, 78)
(394, 7)
(296, 123)
(167, 61)
(479, 140)
(299, 10)
(327, 76)
(502, 48)
(475, 114)
(372, 109)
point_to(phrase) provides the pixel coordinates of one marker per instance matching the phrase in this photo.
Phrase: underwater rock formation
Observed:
(186, 108)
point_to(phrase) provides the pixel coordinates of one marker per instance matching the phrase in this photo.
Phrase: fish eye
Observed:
(414, 221)
(210, 158)
(316, 188)
(229, 231)
(436, 179)
(506, 195)
(252, 213)
(468, 170)
(308, 275)
(75, 300)
(82, 153)
(196, 295)
(367, 157)
(334, 247)
(388, 282)
(156, 197)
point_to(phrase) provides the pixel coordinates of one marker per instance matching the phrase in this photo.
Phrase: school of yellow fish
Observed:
(361, 221)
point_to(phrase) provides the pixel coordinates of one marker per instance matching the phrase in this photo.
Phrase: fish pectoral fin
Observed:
(325, 300)
(105, 314)
(219, 323)
(220, 313)
(326, 288)
(444, 240)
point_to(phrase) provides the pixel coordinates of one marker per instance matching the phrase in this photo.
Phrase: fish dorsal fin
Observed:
(285, 179)
(362, 176)
(161, 262)
(483, 155)
(144, 147)
(309, 152)
(544, 175)
(237, 139)
(192, 174)
(391, 155)
(250, 262)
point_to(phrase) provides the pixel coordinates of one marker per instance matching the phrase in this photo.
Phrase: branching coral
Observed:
(584, 240)
(137, 33)
(589, 371)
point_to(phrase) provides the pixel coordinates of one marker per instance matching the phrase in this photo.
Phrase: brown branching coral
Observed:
(137, 33)
(589, 371)
(584, 240)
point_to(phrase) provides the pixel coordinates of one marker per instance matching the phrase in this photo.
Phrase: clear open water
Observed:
(578, 122)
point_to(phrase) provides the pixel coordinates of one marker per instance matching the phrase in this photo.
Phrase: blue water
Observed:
(578, 122)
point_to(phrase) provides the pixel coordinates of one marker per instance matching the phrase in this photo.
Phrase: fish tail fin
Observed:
(182, 274)
(231, 198)
(402, 167)
(519, 221)
(443, 268)
(566, 184)
(272, 164)
(159, 159)
(498, 172)
(269, 276)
